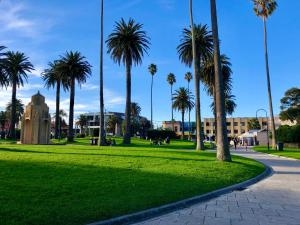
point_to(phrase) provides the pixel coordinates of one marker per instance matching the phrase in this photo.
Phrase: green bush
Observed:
(288, 134)
(163, 134)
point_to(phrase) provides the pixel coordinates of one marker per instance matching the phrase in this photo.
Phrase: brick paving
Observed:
(273, 201)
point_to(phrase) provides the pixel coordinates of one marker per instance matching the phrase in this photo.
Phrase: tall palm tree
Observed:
(264, 9)
(135, 110)
(223, 152)
(188, 77)
(3, 77)
(52, 77)
(16, 65)
(171, 79)
(61, 115)
(82, 122)
(152, 70)
(230, 104)
(19, 109)
(102, 137)
(74, 67)
(203, 48)
(182, 101)
(127, 44)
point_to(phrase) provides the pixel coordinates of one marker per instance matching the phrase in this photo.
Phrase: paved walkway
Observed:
(275, 200)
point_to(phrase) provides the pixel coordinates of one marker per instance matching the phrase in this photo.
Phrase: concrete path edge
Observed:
(168, 208)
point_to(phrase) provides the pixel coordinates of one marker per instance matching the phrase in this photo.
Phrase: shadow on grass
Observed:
(62, 193)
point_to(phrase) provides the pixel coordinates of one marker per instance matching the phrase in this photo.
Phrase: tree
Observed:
(193, 54)
(264, 9)
(188, 77)
(135, 110)
(152, 70)
(112, 122)
(3, 77)
(62, 115)
(3, 119)
(19, 109)
(102, 136)
(171, 79)
(253, 124)
(52, 77)
(182, 101)
(16, 65)
(223, 152)
(82, 122)
(127, 44)
(290, 105)
(75, 68)
(230, 105)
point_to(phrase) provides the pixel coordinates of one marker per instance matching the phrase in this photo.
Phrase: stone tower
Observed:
(36, 122)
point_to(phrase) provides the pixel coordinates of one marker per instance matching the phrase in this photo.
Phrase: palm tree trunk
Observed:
(173, 128)
(127, 136)
(102, 138)
(57, 110)
(223, 152)
(269, 86)
(182, 121)
(152, 101)
(200, 145)
(215, 116)
(71, 113)
(189, 114)
(13, 111)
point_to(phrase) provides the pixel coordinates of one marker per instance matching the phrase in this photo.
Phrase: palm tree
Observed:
(182, 101)
(19, 109)
(16, 66)
(264, 9)
(188, 77)
(135, 110)
(171, 79)
(230, 104)
(61, 115)
(102, 137)
(203, 48)
(152, 70)
(74, 67)
(223, 153)
(82, 122)
(3, 119)
(52, 77)
(3, 77)
(127, 44)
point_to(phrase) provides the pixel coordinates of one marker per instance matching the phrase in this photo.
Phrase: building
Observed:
(167, 125)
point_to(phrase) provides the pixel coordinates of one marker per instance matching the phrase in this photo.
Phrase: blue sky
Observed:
(46, 29)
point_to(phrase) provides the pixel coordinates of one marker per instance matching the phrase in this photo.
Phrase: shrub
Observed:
(288, 134)
(163, 134)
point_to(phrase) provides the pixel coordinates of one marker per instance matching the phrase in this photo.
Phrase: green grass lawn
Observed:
(78, 184)
(287, 152)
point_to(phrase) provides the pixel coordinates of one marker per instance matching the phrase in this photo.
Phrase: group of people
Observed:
(160, 141)
(239, 142)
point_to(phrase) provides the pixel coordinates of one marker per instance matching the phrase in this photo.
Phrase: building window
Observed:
(236, 131)
(208, 131)
(228, 124)
(243, 124)
(236, 124)
(228, 131)
(207, 124)
(243, 131)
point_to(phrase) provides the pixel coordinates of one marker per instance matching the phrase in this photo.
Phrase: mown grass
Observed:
(78, 184)
(287, 152)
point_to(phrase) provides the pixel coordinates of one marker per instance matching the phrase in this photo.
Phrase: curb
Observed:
(158, 211)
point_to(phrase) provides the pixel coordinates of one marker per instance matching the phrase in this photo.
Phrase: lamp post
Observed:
(267, 125)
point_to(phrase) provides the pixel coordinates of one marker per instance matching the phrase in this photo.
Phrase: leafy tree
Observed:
(16, 66)
(188, 77)
(75, 68)
(264, 9)
(171, 79)
(196, 45)
(127, 44)
(290, 105)
(223, 152)
(253, 124)
(53, 78)
(145, 125)
(183, 102)
(152, 70)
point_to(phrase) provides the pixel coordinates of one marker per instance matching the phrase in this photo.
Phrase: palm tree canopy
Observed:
(264, 8)
(52, 75)
(82, 120)
(188, 77)
(19, 108)
(128, 42)
(204, 44)
(135, 110)
(230, 104)
(3, 77)
(183, 100)
(152, 69)
(208, 74)
(74, 66)
(16, 66)
(171, 79)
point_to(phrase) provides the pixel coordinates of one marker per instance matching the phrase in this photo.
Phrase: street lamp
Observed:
(267, 125)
